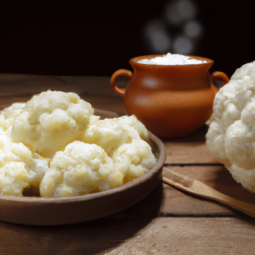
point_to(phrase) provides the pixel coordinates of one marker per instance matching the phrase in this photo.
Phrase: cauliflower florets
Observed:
(55, 144)
(51, 120)
(9, 114)
(13, 161)
(80, 169)
(111, 153)
(111, 133)
(231, 137)
(84, 168)
(134, 159)
(19, 168)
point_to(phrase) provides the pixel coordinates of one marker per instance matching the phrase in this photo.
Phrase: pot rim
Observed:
(133, 61)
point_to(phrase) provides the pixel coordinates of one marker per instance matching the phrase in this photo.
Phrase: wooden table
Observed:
(168, 221)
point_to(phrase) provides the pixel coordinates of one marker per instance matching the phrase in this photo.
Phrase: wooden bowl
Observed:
(60, 211)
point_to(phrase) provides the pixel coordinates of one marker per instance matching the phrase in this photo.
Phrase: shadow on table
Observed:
(84, 238)
(198, 136)
(225, 184)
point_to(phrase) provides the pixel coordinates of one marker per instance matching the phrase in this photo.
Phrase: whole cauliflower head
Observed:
(80, 169)
(231, 137)
(51, 120)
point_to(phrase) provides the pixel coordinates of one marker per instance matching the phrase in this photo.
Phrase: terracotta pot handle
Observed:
(118, 73)
(221, 76)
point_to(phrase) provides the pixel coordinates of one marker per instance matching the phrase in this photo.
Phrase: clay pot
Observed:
(172, 101)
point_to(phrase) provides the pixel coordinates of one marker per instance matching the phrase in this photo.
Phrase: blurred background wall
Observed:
(98, 37)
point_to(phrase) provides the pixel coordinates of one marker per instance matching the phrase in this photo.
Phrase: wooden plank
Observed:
(109, 103)
(85, 238)
(191, 236)
(167, 201)
(20, 84)
(188, 153)
(218, 178)
(23, 85)
(116, 235)
(7, 101)
(94, 85)
(189, 150)
(176, 202)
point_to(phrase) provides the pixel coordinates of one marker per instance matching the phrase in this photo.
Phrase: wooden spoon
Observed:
(200, 189)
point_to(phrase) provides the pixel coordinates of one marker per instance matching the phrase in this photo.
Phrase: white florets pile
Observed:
(231, 137)
(56, 144)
